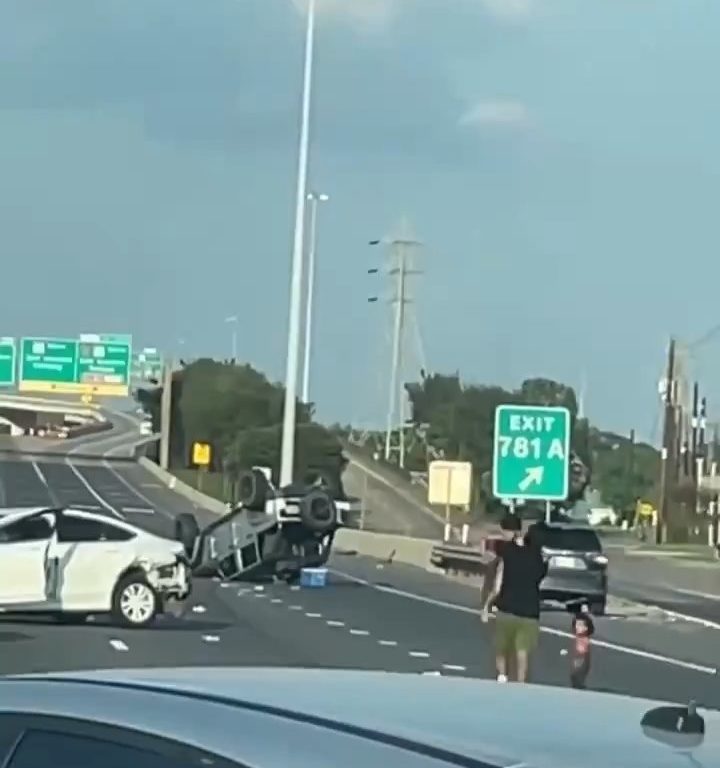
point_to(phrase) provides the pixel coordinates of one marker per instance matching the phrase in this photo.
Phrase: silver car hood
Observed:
(509, 725)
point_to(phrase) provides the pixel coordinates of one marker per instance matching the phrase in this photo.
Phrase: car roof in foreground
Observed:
(237, 711)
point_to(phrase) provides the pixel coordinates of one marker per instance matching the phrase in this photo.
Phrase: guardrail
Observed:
(460, 558)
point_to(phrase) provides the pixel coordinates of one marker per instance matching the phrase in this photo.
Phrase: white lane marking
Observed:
(199, 609)
(84, 481)
(259, 588)
(435, 673)
(295, 607)
(637, 652)
(211, 638)
(42, 477)
(259, 594)
(118, 645)
(138, 510)
(454, 667)
(314, 615)
(333, 623)
(695, 593)
(359, 632)
(276, 600)
(675, 615)
(419, 654)
(137, 492)
(387, 643)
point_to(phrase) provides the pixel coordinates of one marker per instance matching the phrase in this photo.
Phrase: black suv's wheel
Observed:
(253, 490)
(317, 512)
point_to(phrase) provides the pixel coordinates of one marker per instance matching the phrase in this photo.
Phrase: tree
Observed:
(238, 411)
(458, 423)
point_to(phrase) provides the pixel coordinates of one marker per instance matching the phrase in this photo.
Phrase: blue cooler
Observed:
(313, 577)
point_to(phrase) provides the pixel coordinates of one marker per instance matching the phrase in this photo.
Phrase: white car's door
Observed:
(89, 553)
(24, 545)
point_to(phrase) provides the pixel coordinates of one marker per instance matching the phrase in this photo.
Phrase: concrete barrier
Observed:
(386, 546)
(190, 493)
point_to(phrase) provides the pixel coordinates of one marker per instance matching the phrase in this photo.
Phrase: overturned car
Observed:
(269, 533)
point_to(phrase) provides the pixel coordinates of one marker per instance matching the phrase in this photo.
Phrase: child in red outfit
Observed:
(583, 629)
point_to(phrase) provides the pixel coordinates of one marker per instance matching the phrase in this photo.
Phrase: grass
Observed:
(210, 483)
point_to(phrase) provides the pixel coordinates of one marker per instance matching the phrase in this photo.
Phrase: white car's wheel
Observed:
(135, 602)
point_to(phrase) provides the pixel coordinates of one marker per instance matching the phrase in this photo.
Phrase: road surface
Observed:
(371, 616)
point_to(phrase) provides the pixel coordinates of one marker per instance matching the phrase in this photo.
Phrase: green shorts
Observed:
(515, 633)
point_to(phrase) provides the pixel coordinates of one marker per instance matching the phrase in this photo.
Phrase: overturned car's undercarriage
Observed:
(270, 533)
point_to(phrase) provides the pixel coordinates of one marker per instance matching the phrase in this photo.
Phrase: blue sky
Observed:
(557, 157)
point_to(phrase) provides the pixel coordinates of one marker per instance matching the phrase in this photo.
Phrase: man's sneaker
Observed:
(502, 678)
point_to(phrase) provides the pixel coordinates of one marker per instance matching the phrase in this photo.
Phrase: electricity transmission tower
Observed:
(401, 266)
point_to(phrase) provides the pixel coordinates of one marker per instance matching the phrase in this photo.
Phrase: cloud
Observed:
(373, 13)
(511, 10)
(378, 13)
(496, 113)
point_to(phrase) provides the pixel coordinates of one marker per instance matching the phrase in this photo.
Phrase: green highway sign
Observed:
(7, 361)
(47, 365)
(531, 452)
(93, 364)
(147, 364)
(104, 364)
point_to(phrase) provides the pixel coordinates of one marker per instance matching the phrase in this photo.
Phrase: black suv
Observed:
(577, 567)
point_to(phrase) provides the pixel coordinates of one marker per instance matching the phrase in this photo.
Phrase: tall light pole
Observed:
(287, 453)
(314, 199)
(233, 320)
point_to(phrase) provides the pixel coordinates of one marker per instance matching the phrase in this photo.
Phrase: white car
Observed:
(72, 563)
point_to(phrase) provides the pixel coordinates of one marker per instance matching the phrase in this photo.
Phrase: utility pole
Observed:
(669, 446)
(395, 398)
(314, 198)
(166, 415)
(287, 448)
(401, 269)
(630, 470)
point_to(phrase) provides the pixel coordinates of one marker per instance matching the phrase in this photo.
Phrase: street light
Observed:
(314, 199)
(287, 453)
(233, 319)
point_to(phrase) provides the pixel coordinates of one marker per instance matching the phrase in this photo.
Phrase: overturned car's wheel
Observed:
(135, 603)
(253, 490)
(187, 531)
(317, 512)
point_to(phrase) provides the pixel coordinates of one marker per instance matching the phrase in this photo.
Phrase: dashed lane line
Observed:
(92, 491)
(136, 491)
(364, 633)
(118, 645)
(44, 481)
(630, 651)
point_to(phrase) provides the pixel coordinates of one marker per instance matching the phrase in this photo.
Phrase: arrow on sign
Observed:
(533, 476)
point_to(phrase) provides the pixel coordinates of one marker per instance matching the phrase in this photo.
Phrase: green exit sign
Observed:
(531, 452)
(8, 355)
(92, 364)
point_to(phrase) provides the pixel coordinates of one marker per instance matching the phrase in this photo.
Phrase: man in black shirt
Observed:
(516, 594)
